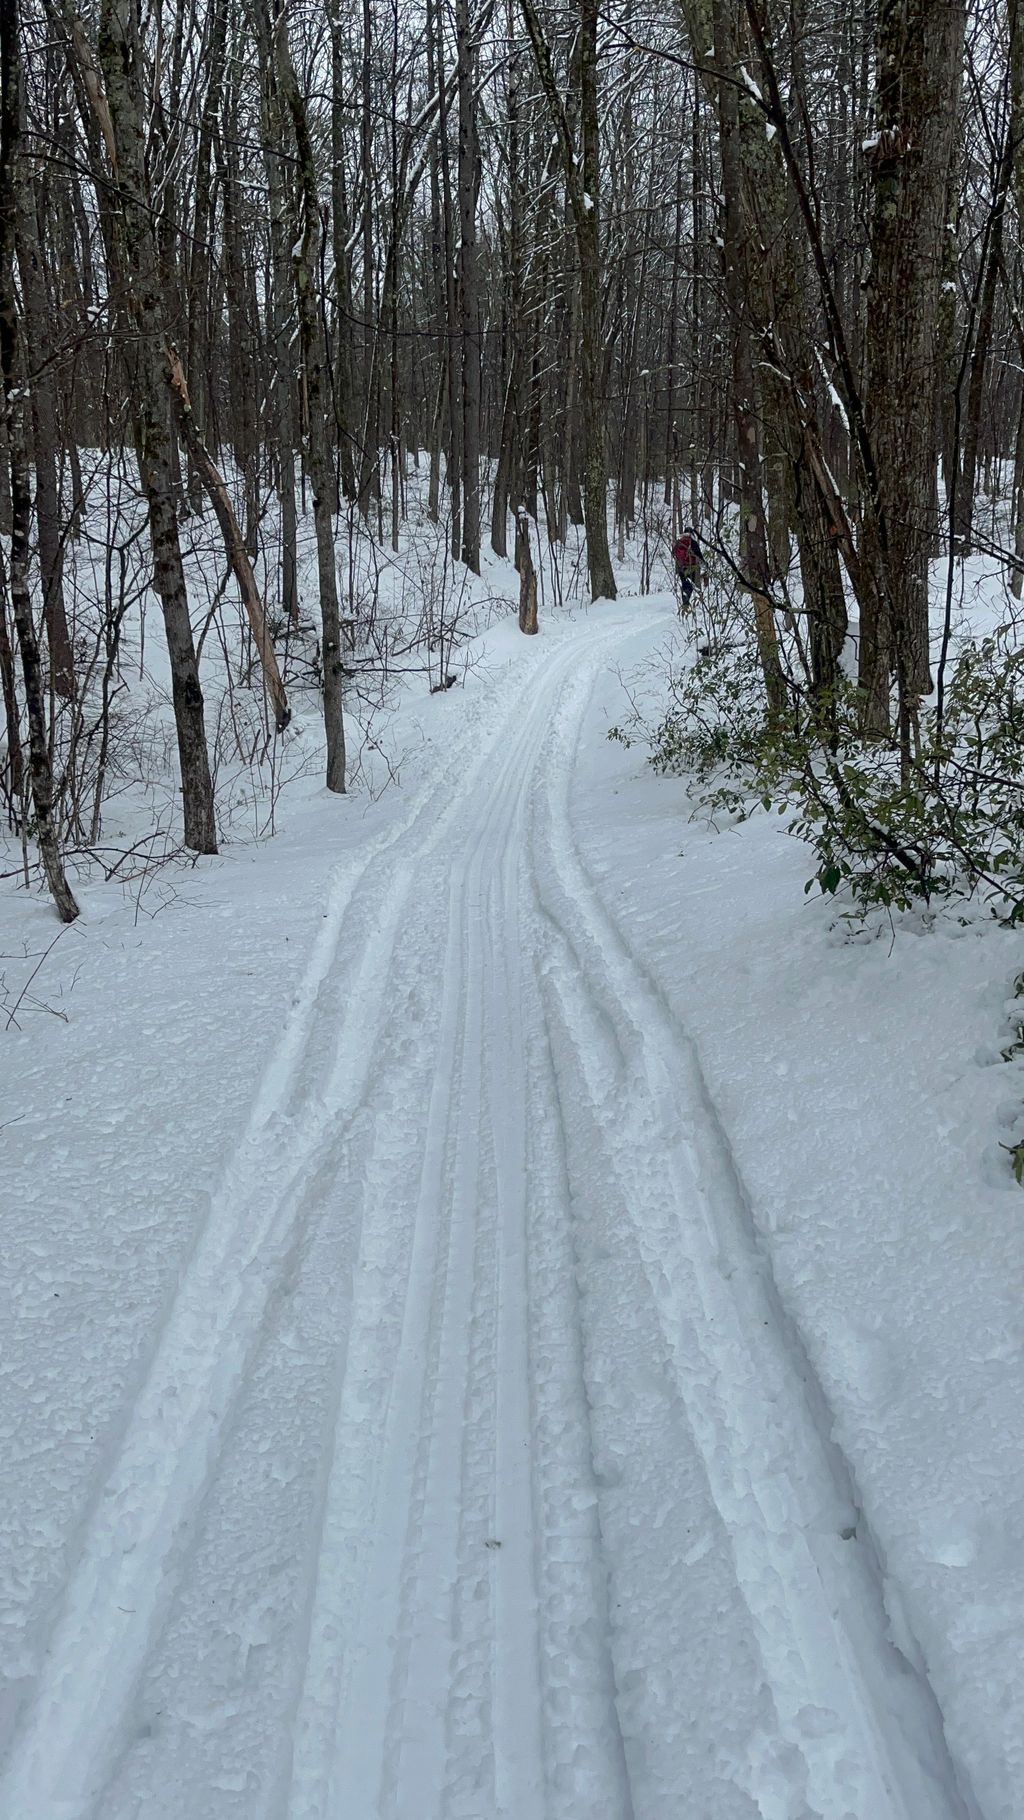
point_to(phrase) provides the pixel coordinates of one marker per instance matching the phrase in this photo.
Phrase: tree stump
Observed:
(527, 575)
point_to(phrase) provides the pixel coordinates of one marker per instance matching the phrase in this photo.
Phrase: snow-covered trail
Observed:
(475, 1471)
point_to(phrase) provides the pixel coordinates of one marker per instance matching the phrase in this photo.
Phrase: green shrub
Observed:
(885, 833)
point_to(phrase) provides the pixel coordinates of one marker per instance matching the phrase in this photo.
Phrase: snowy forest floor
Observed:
(514, 1311)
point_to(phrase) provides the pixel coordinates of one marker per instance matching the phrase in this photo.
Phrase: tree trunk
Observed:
(992, 249)
(15, 762)
(234, 544)
(198, 344)
(142, 311)
(14, 181)
(583, 181)
(342, 365)
(45, 446)
(527, 576)
(305, 261)
(454, 465)
(282, 397)
(919, 50)
(754, 558)
(586, 208)
(468, 288)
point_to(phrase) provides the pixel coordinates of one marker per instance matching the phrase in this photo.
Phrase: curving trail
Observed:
(476, 1471)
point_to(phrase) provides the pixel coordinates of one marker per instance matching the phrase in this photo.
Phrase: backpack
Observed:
(683, 553)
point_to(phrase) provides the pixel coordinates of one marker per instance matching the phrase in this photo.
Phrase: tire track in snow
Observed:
(866, 1725)
(135, 1537)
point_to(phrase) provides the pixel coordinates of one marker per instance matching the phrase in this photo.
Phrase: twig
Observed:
(12, 1018)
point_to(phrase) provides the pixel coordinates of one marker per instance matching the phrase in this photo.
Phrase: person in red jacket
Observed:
(687, 556)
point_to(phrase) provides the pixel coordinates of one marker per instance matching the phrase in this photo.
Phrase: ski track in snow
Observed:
(452, 1579)
(863, 1721)
(554, 1311)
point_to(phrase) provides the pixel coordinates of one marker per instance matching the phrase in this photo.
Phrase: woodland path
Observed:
(476, 1470)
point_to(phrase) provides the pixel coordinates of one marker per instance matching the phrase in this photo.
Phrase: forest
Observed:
(512, 910)
(292, 297)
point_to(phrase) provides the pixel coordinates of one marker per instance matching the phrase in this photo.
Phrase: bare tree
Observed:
(582, 176)
(120, 107)
(14, 178)
(919, 51)
(305, 262)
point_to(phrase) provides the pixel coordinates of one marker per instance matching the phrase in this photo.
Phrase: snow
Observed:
(510, 1311)
(833, 394)
(865, 1097)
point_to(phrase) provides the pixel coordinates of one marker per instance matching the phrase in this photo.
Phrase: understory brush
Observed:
(886, 834)
(409, 618)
